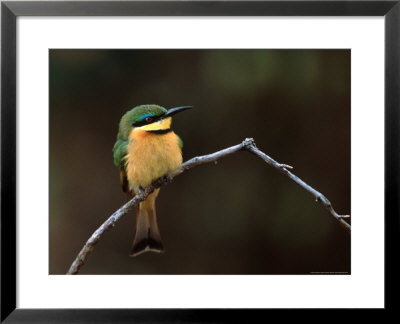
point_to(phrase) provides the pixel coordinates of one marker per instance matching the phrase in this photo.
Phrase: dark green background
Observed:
(237, 217)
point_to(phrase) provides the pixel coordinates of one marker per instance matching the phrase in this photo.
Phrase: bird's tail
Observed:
(147, 236)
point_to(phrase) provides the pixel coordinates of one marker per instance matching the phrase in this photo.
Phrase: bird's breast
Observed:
(150, 156)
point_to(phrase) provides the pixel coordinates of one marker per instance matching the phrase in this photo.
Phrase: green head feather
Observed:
(137, 114)
(125, 127)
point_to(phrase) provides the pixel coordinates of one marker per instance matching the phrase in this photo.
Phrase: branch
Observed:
(247, 145)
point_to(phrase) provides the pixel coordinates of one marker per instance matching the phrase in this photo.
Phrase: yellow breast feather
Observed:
(150, 156)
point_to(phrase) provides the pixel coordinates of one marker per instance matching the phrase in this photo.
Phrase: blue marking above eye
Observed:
(145, 116)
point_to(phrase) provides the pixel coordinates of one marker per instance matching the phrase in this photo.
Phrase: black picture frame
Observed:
(11, 10)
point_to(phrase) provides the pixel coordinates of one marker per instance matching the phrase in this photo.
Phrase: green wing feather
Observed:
(180, 142)
(120, 151)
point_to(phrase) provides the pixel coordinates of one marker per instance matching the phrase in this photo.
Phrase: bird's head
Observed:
(148, 118)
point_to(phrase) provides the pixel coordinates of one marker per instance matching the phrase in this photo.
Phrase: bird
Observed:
(146, 149)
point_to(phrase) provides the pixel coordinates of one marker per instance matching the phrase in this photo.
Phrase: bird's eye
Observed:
(149, 119)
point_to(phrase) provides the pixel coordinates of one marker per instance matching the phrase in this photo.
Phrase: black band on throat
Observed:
(160, 131)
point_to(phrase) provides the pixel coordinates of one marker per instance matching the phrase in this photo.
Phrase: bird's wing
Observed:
(120, 150)
(180, 142)
(124, 181)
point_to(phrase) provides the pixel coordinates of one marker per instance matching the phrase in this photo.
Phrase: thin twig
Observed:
(247, 145)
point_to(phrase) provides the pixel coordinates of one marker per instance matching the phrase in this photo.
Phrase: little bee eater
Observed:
(146, 149)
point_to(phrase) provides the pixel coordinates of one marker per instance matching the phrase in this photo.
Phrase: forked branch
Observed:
(247, 145)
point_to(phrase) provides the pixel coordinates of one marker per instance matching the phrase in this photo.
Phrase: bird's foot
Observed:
(140, 191)
(167, 178)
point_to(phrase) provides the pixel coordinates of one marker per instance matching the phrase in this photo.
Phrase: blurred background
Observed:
(237, 217)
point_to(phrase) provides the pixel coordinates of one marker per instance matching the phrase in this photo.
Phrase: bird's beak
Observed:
(176, 110)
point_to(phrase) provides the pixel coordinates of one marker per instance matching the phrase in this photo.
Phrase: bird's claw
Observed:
(167, 178)
(140, 190)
